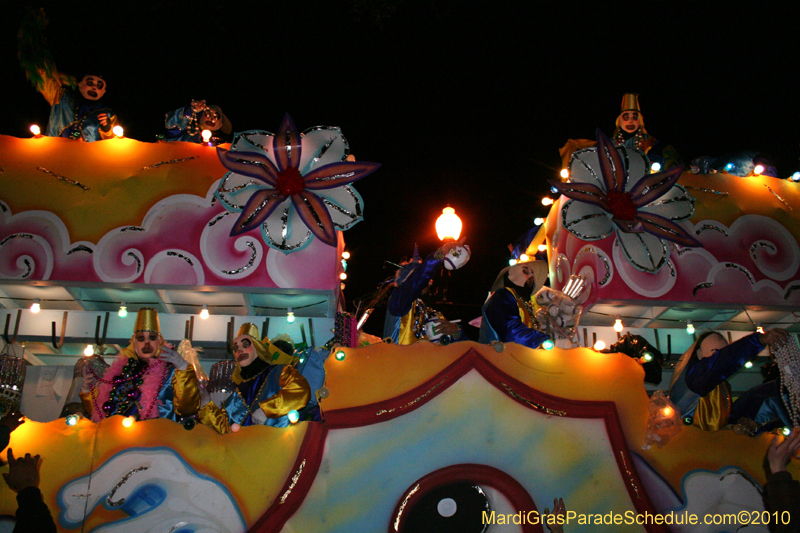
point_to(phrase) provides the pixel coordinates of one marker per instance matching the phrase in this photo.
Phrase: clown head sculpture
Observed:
(92, 87)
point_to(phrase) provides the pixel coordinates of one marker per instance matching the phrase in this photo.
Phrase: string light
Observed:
(729, 167)
(759, 328)
(36, 130)
(748, 364)
(340, 355)
(618, 324)
(35, 307)
(538, 221)
(564, 173)
(786, 431)
(667, 411)
(548, 344)
(758, 170)
(542, 247)
(448, 225)
(128, 421)
(123, 311)
(289, 315)
(647, 357)
(72, 420)
(204, 312)
(206, 135)
(118, 131)
(343, 276)
(690, 328)
(512, 262)
(523, 257)
(345, 255)
(795, 177)
(547, 201)
(655, 167)
(89, 350)
(599, 345)
(293, 416)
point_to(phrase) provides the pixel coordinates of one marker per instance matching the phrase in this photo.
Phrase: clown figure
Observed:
(268, 386)
(631, 133)
(187, 123)
(148, 379)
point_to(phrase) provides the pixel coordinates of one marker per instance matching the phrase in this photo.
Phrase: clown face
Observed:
(146, 344)
(629, 121)
(92, 87)
(211, 120)
(521, 275)
(244, 351)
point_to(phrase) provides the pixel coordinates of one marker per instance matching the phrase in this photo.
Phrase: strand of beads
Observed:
(125, 388)
(788, 358)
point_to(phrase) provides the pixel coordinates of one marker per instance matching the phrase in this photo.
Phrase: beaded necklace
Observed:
(125, 389)
(787, 356)
(257, 395)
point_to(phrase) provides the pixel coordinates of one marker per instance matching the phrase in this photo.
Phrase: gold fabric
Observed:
(186, 394)
(294, 394)
(630, 102)
(215, 417)
(524, 314)
(147, 320)
(87, 399)
(406, 335)
(714, 408)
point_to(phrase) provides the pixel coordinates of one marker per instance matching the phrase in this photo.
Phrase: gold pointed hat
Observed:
(147, 320)
(630, 102)
(264, 348)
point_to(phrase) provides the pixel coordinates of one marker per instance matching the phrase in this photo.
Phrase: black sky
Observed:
(462, 102)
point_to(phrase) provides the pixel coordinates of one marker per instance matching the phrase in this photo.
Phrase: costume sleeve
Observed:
(216, 417)
(294, 394)
(502, 312)
(33, 516)
(178, 120)
(705, 374)
(782, 494)
(186, 397)
(403, 295)
(87, 399)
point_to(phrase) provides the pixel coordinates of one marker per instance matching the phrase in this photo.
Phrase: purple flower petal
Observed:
(583, 192)
(654, 186)
(336, 174)
(286, 145)
(664, 228)
(260, 205)
(314, 213)
(611, 165)
(250, 164)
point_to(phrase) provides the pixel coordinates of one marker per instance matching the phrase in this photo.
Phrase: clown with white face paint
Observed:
(148, 379)
(631, 133)
(187, 123)
(268, 386)
(77, 110)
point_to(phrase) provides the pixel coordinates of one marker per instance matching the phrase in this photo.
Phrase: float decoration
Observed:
(283, 182)
(611, 191)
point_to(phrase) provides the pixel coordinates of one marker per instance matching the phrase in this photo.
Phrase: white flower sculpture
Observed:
(296, 186)
(611, 190)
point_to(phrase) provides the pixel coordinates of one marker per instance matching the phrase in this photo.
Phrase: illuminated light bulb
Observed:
(448, 225)
(342, 276)
(655, 167)
(564, 173)
(72, 420)
(548, 344)
(542, 247)
(748, 364)
(89, 350)
(345, 255)
(293, 416)
(759, 328)
(538, 221)
(340, 355)
(690, 328)
(512, 262)
(36, 130)
(289, 315)
(206, 135)
(554, 190)
(235, 427)
(647, 356)
(667, 411)
(123, 311)
(204, 312)
(35, 307)
(118, 131)
(618, 325)
(523, 257)
(547, 201)
(758, 170)
(795, 177)
(729, 167)
(599, 345)
(786, 431)
(128, 421)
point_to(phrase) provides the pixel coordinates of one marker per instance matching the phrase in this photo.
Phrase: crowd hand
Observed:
(779, 455)
(199, 105)
(445, 328)
(169, 355)
(12, 420)
(774, 338)
(558, 510)
(23, 472)
(103, 119)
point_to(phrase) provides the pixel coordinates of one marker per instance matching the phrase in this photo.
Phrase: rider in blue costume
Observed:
(508, 314)
(187, 123)
(406, 313)
(700, 391)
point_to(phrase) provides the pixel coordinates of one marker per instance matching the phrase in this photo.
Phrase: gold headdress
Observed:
(147, 320)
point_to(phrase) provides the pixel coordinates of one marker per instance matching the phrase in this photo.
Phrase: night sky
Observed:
(463, 103)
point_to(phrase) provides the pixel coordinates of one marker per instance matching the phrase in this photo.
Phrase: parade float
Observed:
(413, 437)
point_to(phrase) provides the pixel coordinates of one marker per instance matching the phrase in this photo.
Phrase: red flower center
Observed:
(621, 205)
(290, 182)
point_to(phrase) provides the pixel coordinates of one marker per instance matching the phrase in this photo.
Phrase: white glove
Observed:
(169, 355)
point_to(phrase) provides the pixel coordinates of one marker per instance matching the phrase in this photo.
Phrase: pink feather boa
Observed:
(148, 400)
